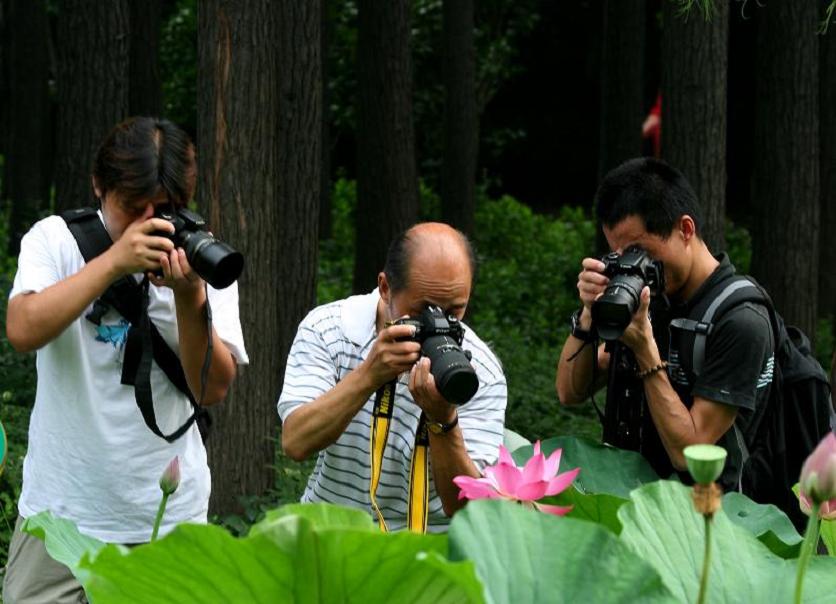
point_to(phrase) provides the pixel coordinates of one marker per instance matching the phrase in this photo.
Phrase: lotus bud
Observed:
(818, 475)
(170, 479)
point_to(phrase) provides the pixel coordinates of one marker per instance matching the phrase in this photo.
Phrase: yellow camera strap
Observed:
(384, 405)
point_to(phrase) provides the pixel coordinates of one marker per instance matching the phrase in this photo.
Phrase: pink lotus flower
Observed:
(505, 480)
(818, 479)
(170, 479)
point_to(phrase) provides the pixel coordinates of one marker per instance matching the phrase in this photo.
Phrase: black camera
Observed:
(441, 339)
(628, 273)
(215, 261)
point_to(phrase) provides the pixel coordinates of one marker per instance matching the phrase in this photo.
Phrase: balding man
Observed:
(348, 361)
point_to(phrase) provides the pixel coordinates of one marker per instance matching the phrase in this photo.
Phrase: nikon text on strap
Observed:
(144, 342)
(384, 406)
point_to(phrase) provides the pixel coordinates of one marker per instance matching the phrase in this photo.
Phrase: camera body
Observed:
(441, 338)
(629, 273)
(215, 261)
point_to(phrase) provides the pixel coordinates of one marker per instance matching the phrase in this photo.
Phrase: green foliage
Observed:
(739, 246)
(524, 294)
(648, 547)
(178, 64)
(311, 553)
(526, 556)
(662, 527)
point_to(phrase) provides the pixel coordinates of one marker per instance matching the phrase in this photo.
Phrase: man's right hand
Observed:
(591, 283)
(137, 250)
(391, 354)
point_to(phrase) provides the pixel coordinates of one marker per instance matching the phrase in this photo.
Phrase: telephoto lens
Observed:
(215, 261)
(455, 377)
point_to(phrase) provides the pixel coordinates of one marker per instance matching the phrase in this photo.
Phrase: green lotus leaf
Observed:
(528, 556)
(660, 525)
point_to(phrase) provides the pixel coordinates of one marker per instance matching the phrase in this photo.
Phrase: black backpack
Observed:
(799, 409)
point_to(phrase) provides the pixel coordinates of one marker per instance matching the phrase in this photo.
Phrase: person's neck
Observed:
(704, 264)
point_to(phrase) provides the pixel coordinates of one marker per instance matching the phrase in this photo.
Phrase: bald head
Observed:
(434, 247)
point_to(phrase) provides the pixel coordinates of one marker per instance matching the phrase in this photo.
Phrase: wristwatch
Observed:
(440, 428)
(584, 335)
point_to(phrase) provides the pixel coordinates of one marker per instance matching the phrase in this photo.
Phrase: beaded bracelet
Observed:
(652, 370)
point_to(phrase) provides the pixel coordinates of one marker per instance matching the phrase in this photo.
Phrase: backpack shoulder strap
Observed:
(129, 299)
(89, 232)
(730, 293)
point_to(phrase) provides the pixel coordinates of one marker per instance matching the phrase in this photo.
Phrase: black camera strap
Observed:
(144, 341)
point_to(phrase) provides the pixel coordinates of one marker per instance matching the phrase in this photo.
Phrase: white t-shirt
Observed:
(91, 458)
(330, 343)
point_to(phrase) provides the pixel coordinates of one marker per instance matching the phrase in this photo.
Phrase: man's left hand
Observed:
(177, 274)
(426, 395)
(639, 333)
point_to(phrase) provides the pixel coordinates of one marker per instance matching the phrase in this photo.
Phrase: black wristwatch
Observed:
(440, 428)
(584, 335)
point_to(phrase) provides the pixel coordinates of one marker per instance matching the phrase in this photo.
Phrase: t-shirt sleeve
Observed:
(482, 418)
(310, 371)
(738, 359)
(37, 265)
(227, 321)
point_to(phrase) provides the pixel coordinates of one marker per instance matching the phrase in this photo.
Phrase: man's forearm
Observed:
(319, 423)
(35, 319)
(450, 459)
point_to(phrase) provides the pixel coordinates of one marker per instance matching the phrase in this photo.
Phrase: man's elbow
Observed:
(293, 450)
(565, 395)
(18, 339)
(292, 447)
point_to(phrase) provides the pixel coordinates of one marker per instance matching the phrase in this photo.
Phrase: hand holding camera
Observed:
(441, 338)
(392, 353)
(140, 246)
(628, 274)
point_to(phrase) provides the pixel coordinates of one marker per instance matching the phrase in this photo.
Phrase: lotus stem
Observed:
(811, 540)
(158, 520)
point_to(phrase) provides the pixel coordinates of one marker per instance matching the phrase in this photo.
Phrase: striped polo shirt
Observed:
(330, 343)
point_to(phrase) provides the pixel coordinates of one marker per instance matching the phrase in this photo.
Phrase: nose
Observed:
(149, 211)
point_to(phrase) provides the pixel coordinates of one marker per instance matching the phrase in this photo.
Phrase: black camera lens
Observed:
(217, 262)
(455, 377)
(613, 311)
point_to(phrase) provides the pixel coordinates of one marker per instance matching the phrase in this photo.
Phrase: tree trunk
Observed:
(461, 122)
(694, 76)
(258, 129)
(28, 108)
(785, 253)
(622, 87)
(387, 183)
(93, 64)
(146, 97)
(4, 90)
(827, 139)
(325, 207)
(622, 83)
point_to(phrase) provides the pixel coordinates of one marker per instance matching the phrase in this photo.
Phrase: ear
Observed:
(383, 287)
(687, 228)
(96, 188)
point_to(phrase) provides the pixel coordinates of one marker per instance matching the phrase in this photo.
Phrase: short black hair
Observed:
(651, 189)
(144, 156)
(400, 254)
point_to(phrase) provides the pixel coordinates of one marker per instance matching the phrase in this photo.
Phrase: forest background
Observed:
(325, 127)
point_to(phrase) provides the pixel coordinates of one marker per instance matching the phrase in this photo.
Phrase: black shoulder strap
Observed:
(130, 299)
(732, 292)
